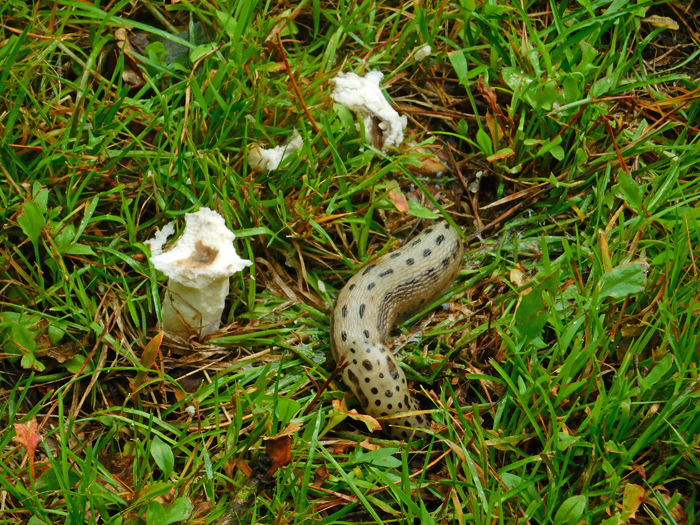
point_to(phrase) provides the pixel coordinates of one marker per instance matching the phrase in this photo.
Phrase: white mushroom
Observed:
(198, 266)
(422, 52)
(383, 125)
(269, 159)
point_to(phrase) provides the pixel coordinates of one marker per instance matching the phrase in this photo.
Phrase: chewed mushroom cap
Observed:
(364, 96)
(203, 254)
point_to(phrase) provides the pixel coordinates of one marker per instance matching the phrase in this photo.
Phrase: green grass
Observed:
(564, 370)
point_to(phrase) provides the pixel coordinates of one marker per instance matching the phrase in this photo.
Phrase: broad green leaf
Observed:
(228, 22)
(382, 457)
(30, 361)
(22, 338)
(631, 190)
(533, 311)
(571, 511)
(484, 141)
(659, 371)
(163, 456)
(624, 280)
(155, 515)
(178, 510)
(74, 365)
(420, 211)
(32, 221)
(200, 51)
(80, 249)
(459, 63)
(285, 410)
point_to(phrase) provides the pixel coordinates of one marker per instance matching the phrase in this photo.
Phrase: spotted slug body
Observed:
(391, 287)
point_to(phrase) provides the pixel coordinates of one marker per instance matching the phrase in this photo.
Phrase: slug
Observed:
(392, 287)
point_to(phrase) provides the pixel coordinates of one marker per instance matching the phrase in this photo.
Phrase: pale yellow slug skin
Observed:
(391, 287)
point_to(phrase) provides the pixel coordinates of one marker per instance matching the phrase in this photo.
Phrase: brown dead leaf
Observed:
(148, 358)
(244, 467)
(290, 429)
(320, 476)
(280, 450)
(340, 408)
(399, 199)
(369, 446)
(279, 447)
(661, 21)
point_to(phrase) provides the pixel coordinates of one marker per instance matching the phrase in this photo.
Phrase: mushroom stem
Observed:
(187, 309)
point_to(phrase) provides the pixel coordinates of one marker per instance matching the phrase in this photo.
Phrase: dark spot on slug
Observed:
(354, 361)
(362, 310)
(392, 367)
(405, 400)
(410, 261)
(419, 419)
(428, 231)
(366, 332)
(381, 376)
(344, 311)
(395, 255)
(366, 379)
(352, 287)
(352, 350)
(353, 377)
(382, 349)
(407, 423)
(370, 286)
(400, 405)
(386, 272)
(368, 350)
(378, 403)
(445, 262)
(384, 414)
(390, 406)
(379, 363)
(375, 391)
(363, 398)
(439, 239)
(343, 336)
(397, 388)
(388, 393)
(417, 241)
(403, 381)
(368, 269)
(404, 434)
(368, 366)
(427, 252)
(447, 226)
(387, 296)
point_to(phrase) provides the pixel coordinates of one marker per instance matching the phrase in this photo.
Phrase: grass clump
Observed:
(563, 369)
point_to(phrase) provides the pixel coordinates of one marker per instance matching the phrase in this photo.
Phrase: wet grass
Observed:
(561, 367)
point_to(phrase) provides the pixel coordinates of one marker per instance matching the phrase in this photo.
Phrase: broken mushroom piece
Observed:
(261, 159)
(198, 266)
(383, 125)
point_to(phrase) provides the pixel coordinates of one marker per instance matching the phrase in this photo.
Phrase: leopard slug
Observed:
(392, 287)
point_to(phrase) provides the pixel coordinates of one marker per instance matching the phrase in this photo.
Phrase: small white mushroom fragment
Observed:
(269, 159)
(422, 52)
(198, 266)
(383, 125)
